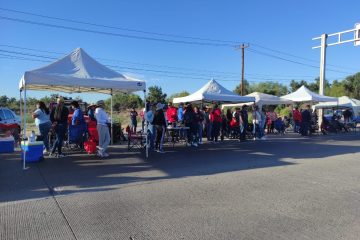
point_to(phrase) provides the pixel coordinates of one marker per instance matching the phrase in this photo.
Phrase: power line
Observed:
(299, 57)
(184, 75)
(292, 61)
(115, 34)
(119, 28)
(213, 72)
(215, 42)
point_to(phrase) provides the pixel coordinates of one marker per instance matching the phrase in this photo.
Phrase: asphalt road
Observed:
(284, 188)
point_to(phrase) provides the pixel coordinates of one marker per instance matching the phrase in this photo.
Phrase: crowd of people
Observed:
(192, 122)
(208, 122)
(57, 121)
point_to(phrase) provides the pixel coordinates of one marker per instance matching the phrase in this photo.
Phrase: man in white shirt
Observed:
(102, 127)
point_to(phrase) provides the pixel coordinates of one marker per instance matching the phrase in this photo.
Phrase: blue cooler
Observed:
(7, 145)
(33, 151)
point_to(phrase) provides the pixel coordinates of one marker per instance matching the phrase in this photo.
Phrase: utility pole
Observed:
(242, 47)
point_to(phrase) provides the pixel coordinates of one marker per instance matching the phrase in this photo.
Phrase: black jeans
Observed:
(215, 131)
(60, 130)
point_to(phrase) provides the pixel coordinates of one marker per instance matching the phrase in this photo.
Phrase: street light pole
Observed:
(339, 36)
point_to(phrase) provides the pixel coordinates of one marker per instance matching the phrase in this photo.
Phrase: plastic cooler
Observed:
(6, 145)
(33, 151)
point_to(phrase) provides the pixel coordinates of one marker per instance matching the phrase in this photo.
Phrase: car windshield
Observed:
(8, 114)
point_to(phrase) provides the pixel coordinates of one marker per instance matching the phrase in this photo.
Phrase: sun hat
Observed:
(100, 103)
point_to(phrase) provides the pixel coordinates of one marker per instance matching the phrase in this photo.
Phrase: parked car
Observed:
(10, 121)
(8, 117)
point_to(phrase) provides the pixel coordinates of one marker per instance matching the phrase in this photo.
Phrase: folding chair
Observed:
(135, 139)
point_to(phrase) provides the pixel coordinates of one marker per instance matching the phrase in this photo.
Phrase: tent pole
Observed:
(111, 113)
(146, 129)
(21, 113)
(24, 152)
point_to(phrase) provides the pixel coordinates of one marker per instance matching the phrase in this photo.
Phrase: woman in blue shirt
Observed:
(78, 124)
(42, 121)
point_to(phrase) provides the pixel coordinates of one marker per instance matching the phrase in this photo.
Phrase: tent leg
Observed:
(146, 129)
(24, 135)
(21, 113)
(111, 114)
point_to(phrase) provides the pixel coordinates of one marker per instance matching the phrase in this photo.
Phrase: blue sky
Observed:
(286, 26)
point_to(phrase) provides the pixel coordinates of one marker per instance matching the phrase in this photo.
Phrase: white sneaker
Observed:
(105, 154)
(100, 154)
(263, 138)
(195, 145)
(200, 143)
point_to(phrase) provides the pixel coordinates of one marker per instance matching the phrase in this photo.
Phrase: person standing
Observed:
(207, 111)
(133, 119)
(199, 118)
(347, 115)
(102, 128)
(149, 117)
(91, 112)
(160, 126)
(180, 113)
(262, 124)
(172, 114)
(256, 122)
(297, 119)
(305, 121)
(42, 121)
(59, 118)
(78, 123)
(244, 121)
(216, 120)
(190, 123)
(142, 117)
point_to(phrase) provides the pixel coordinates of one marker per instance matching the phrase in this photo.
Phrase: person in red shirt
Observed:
(215, 119)
(297, 119)
(171, 115)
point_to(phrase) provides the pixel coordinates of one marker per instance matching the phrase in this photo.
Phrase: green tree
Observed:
(3, 101)
(123, 101)
(295, 85)
(155, 94)
(176, 95)
(247, 89)
(272, 88)
(336, 89)
(352, 85)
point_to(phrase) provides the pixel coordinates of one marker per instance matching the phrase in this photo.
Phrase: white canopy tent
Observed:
(77, 72)
(342, 102)
(213, 92)
(303, 94)
(261, 99)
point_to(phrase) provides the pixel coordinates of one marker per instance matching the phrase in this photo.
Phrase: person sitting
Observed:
(279, 126)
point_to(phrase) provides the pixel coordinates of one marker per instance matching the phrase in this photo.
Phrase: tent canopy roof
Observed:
(303, 94)
(262, 99)
(342, 102)
(213, 91)
(78, 72)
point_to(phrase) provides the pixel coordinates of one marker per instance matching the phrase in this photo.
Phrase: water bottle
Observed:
(32, 137)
